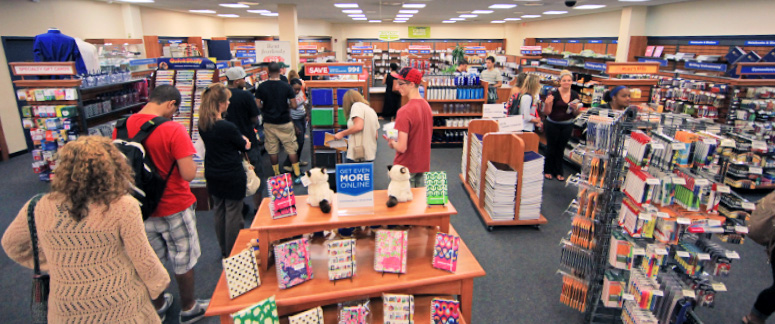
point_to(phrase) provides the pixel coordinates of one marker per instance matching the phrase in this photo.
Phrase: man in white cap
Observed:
(243, 112)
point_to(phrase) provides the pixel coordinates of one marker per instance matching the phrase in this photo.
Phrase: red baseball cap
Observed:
(410, 74)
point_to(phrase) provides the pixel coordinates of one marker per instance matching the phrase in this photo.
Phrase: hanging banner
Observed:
(419, 32)
(354, 185)
(703, 42)
(388, 35)
(273, 51)
(187, 63)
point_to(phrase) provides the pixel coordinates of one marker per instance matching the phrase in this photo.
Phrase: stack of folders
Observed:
(475, 167)
(500, 191)
(532, 186)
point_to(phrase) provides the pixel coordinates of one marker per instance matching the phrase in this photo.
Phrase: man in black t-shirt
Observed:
(276, 99)
(243, 112)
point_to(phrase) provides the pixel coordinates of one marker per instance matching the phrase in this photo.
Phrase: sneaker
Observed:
(287, 168)
(167, 304)
(304, 163)
(196, 313)
(297, 180)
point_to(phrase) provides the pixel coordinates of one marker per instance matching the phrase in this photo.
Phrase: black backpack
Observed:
(149, 185)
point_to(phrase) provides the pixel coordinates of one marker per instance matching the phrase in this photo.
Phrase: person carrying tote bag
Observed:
(362, 126)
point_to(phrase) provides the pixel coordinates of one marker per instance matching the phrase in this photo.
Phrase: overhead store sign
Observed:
(756, 68)
(760, 43)
(222, 65)
(187, 63)
(632, 68)
(556, 41)
(706, 66)
(308, 49)
(557, 62)
(388, 35)
(420, 49)
(530, 50)
(594, 66)
(573, 41)
(43, 68)
(273, 51)
(595, 41)
(333, 68)
(476, 50)
(652, 60)
(360, 49)
(703, 42)
(419, 32)
(245, 53)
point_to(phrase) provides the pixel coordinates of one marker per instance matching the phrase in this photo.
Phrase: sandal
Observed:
(548, 176)
(560, 178)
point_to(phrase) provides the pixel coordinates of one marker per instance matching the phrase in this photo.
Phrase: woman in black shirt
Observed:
(560, 112)
(392, 97)
(226, 180)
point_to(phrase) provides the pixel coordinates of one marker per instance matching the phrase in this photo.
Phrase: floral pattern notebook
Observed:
(282, 201)
(341, 259)
(397, 309)
(445, 252)
(293, 263)
(311, 316)
(354, 315)
(264, 312)
(436, 188)
(390, 252)
(241, 273)
(445, 311)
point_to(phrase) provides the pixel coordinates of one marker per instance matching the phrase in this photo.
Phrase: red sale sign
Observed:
(316, 70)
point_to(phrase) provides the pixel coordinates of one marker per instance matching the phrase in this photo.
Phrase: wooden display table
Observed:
(311, 219)
(420, 279)
(422, 311)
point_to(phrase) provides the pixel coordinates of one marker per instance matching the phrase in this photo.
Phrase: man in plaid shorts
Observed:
(171, 229)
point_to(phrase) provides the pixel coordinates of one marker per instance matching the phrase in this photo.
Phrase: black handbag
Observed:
(40, 281)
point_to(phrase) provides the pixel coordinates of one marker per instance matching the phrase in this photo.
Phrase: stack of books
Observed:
(475, 167)
(500, 191)
(532, 186)
(165, 77)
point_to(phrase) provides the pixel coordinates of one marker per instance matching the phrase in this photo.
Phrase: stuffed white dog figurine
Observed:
(399, 189)
(320, 194)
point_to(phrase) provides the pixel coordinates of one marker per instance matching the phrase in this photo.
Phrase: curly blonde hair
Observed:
(91, 170)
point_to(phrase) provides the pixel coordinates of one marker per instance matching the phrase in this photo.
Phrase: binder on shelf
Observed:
(340, 95)
(322, 97)
(322, 116)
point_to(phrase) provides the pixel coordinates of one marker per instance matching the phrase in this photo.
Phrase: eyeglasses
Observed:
(402, 83)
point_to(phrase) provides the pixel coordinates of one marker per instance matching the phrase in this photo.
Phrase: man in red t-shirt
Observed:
(414, 123)
(171, 229)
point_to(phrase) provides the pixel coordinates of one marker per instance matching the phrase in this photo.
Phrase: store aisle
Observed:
(520, 287)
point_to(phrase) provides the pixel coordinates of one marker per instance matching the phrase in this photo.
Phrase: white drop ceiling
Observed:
(434, 12)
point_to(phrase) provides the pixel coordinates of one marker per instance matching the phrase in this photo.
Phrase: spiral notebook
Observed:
(311, 316)
(445, 252)
(241, 273)
(445, 311)
(341, 259)
(292, 263)
(282, 201)
(264, 312)
(390, 251)
(397, 309)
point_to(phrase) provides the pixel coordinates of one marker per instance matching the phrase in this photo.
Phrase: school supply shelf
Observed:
(454, 101)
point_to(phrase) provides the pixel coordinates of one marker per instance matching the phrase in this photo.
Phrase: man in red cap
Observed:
(414, 123)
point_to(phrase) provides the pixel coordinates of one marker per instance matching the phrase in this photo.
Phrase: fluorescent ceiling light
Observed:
(351, 11)
(248, 3)
(399, 21)
(589, 7)
(448, 22)
(633, 0)
(228, 15)
(404, 16)
(458, 19)
(233, 5)
(409, 11)
(270, 14)
(469, 16)
(502, 6)
(402, 19)
(414, 5)
(357, 15)
(346, 5)
(202, 11)
(482, 12)
(512, 19)
(531, 16)
(375, 21)
(533, 4)
(498, 21)
(259, 11)
(363, 18)
(137, 1)
(554, 12)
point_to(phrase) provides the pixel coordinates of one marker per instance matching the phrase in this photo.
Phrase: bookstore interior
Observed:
(648, 123)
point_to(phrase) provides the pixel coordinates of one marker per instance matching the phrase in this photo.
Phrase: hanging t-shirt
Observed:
(368, 136)
(416, 119)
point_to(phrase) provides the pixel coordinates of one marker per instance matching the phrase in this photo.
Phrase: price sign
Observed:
(511, 124)
(661, 251)
(703, 256)
(701, 182)
(728, 143)
(749, 206)
(689, 293)
(683, 254)
(719, 286)
(755, 170)
(732, 255)
(714, 222)
(723, 189)
(603, 113)
(741, 229)
(645, 216)
(678, 146)
(628, 297)
(658, 293)
(759, 145)
(638, 251)
(493, 111)
(663, 215)
(658, 146)
(652, 181)
(684, 221)
(679, 181)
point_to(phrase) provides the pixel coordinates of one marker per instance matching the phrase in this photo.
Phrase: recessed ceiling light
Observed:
(502, 6)
(498, 21)
(352, 11)
(137, 1)
(356, 15)
(404, 19)
(259, 11)
(448, 22)
(202, 11)
(589, 7)
(346, 5)
(531, 16)
(404, 15)
(414, 5)
(248, 3)
(375, 21)
(458, 19)
(270, 14)
(469, 16)
(228, 15)
(512, 19)
(408, 11)
(363, 18)
(482, 12)
(555, 12)
(233, 5)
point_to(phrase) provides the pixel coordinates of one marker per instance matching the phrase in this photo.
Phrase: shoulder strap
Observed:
(148, 128)
(121, 132)
(33, 231)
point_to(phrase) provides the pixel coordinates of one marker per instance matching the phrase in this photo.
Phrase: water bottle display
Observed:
(458, 87)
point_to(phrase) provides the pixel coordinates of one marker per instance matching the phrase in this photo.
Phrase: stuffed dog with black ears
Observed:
(399, 189)
(320, 194)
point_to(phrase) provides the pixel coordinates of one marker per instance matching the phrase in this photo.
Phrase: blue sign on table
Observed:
(703, 42)
(652, 60)
(345, 69)
(594, 66)
(760, 43)
(760, 70)
(142, 61)
(558, 62)
(355, 185)
(705, 66)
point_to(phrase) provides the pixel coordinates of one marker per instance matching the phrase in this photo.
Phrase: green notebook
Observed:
(322, 116)
(264, 312)
(436, 188)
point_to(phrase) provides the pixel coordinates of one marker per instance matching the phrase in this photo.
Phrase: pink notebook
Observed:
(390, 251)
(445, 252)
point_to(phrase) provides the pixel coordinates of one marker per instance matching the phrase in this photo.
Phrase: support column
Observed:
(289, 31)
(133, 23)
(632, 23)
